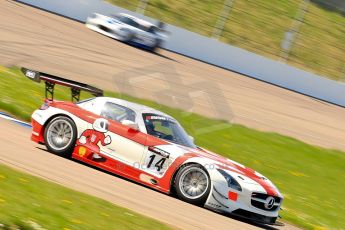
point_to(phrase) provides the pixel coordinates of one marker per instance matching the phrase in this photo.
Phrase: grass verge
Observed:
(311, 178)
(32, 203)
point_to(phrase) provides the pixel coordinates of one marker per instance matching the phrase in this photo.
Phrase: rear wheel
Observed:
(153, 49)
(155, 46)
(60, 136)
(192, 184)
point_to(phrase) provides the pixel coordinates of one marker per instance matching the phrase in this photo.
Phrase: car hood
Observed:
(246, 175)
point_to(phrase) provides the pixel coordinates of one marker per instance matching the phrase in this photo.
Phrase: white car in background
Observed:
(129, 29)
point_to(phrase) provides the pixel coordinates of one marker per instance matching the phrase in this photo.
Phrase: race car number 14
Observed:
(158, 164)
(157, 161)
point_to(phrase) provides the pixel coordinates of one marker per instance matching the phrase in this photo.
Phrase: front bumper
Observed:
(254, 216)
(226, 200)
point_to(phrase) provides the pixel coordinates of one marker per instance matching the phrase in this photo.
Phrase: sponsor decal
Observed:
(159, 151)
(157, 160)
(30, 74)
(90, 138)
(82, 151)
(155, 117)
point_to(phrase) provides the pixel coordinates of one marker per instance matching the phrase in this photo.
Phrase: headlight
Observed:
(232, 183)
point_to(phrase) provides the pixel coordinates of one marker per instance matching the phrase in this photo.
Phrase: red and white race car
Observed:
(149, 147)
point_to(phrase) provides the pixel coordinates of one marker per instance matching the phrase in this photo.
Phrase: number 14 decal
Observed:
(157, 160)
(159, 164)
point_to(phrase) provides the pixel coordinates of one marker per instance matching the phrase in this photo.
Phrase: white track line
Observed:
(15, 120)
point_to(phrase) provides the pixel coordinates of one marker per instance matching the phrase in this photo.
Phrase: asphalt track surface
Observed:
(46, 42)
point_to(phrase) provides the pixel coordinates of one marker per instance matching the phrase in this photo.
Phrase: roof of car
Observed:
(138, 20)
(138, 108)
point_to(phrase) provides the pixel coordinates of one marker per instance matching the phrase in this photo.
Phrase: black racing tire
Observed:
(200, 183)
(60, 136)
(153, 49)
(156, 46)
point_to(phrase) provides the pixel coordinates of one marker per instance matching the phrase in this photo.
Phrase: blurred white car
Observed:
(129, 29)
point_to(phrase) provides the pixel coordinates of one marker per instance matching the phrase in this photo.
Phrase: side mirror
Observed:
(130, 124)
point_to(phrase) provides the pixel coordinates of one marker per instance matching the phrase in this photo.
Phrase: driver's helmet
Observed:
(101, 125)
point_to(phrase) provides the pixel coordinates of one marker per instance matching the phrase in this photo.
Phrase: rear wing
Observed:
(51, 80)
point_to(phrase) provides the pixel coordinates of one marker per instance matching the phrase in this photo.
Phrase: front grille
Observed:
(259, 201)
(254, 216)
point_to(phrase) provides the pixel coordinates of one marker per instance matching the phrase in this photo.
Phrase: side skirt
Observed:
(83, 154)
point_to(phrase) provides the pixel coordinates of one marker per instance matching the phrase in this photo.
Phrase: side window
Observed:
(128, 21)
(152, 29)
(116, 112)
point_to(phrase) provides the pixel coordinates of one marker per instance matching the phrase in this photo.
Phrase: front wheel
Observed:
(193, 184)
(60, 136)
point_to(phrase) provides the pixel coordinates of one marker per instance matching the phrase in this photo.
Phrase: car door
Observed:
(145, 38)
(126, 144)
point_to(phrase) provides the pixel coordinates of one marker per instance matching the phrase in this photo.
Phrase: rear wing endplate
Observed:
(51, 80)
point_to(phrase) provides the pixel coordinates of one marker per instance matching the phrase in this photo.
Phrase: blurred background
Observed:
(303, 33)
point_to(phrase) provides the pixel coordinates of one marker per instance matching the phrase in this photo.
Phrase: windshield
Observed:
(127, 20)
(167, 129)
(150, 29)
